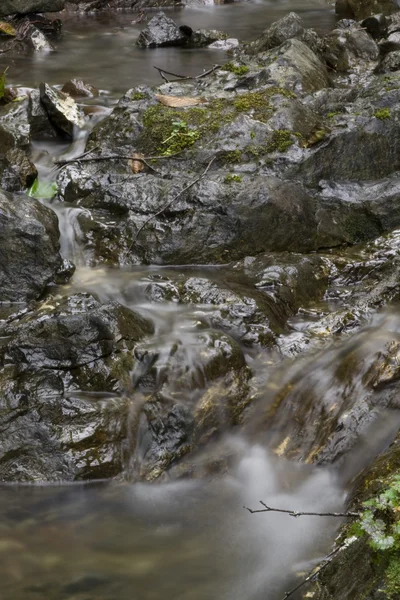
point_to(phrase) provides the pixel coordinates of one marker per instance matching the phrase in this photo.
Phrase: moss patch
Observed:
(382, 114)
(158, 120)
(231, 178)
(236, 69)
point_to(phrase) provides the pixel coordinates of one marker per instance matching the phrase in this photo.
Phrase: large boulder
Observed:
(63, 374)
(23, 7)
(29, 257)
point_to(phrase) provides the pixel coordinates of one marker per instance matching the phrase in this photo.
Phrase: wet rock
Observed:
(37, 40)
(23, 7)
(40, 125)
(58, 366)
(29, 257)
(171, 426)
(62, 110)
(79, 89)
(161, 31)
(19, 172)
(51, 28)
(14, 127)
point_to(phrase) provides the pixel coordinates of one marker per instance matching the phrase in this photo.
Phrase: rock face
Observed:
(29, 257)
(23, 7)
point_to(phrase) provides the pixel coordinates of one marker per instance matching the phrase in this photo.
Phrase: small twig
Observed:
(295, 513)
(327, 560)
(163, 72)
(168, 204)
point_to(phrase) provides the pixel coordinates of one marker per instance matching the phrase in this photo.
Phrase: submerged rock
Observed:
(29, 257)
(79, 89)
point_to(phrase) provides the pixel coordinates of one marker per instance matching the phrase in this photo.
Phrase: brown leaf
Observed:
(7, 28)
(136, 165)
(178, 101)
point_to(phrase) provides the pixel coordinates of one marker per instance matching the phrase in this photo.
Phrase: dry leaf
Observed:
(178, 101)
(7, 28)
(136, 165)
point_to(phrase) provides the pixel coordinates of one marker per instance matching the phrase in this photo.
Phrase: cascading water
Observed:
(186, 539)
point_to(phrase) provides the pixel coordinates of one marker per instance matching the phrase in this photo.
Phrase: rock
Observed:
(349, 48)
(51, 28)
(62, 380)
(204, 37)
(62, 110)
(376, 26)
(23, 7)
(290, 26)
(79, 89)
(390, 63)
(161, 31)
(14, 127)
(19, 172)
(29, 257)
(38, 40)
(360, 9)
(228, 44)
(40, 125)
(296, 67)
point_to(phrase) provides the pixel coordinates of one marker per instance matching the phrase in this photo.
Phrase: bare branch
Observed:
(168, 204)
(295, 513)
(326, 561)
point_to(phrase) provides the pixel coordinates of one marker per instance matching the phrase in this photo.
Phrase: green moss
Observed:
(280, 141)
(236, 69)
(233, 178)
(392, 577)
(138, 96)
(382, 114)
(332, 115)
(232, 156)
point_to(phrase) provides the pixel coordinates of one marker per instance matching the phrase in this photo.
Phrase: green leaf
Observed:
(44, 190)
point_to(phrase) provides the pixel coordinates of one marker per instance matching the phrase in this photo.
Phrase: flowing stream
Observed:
(184, 540)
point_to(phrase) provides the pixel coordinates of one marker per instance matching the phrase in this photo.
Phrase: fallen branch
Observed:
(168, 204)
(163, 72)
(295, 513)
(83, 158)
(327, 560)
